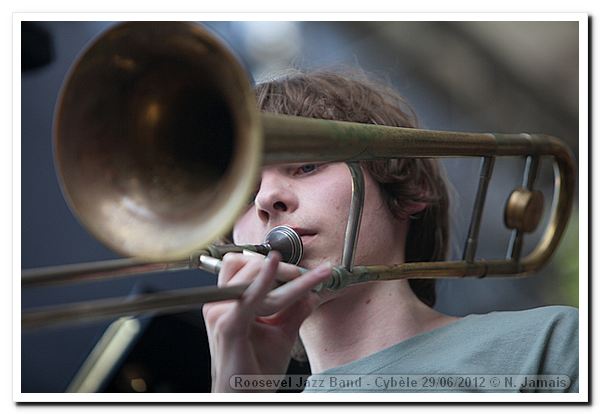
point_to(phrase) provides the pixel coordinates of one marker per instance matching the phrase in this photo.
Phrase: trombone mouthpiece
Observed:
(287, 242)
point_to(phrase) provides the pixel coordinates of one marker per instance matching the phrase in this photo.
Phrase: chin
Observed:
(309, 262)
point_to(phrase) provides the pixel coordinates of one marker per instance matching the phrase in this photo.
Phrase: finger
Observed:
(251, 254)
(247, 252)
(285, 271)
(231, 264)
(239, 269)
(263, 282)
(290, 292)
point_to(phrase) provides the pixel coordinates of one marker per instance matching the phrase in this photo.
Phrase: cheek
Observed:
(336, 191)
(331, 202)
(336, 200)
(246, 231)
(378, 232)
(376, 212)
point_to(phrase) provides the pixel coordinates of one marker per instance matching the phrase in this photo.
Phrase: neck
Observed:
(364, 319)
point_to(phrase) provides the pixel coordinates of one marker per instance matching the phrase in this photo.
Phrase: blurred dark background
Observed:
(460, 76)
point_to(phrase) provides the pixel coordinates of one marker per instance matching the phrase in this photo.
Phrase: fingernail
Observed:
(323, 269)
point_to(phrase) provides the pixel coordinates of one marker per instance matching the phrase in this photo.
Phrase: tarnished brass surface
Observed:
(158, 145)
(524, 210)
(157, 138)
(158, 141)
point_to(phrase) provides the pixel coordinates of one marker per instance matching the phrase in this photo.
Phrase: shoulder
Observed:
(560, 324)
(548, 330)
(545, 327)
(542, 340)
(555, 312)
(559, 318)
(564, 318)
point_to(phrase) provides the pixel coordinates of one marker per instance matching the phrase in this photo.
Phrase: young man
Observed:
(383, 328)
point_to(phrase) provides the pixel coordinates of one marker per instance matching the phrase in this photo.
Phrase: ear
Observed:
(411, 209)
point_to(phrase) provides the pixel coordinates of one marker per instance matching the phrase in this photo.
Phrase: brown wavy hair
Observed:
(354, 96)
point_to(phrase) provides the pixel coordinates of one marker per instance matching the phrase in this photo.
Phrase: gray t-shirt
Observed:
(472, 355)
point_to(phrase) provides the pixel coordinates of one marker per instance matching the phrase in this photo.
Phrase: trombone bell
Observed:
(158, 144)
(157, 139)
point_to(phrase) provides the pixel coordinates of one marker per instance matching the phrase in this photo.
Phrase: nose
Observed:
(275, 196)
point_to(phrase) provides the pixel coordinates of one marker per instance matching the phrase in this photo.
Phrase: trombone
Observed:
(158, 145)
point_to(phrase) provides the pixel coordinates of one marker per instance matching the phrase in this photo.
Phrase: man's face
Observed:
(314, 199)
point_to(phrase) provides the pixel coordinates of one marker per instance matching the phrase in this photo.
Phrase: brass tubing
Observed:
(103, 270)
(162, 302)
(110, 269)
(421, 270)
(185, 299)
(515, 244)
(354, 216)
(291, 139)
(114, 187)
(530, 172)
(487, 167)
(562, 203)
(296, 139)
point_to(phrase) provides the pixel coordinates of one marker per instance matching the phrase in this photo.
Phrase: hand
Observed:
(255, 334)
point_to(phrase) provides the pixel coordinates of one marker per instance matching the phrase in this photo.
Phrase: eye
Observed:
(306, 169)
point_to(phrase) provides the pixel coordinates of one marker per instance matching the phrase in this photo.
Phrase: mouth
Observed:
(306, 235)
